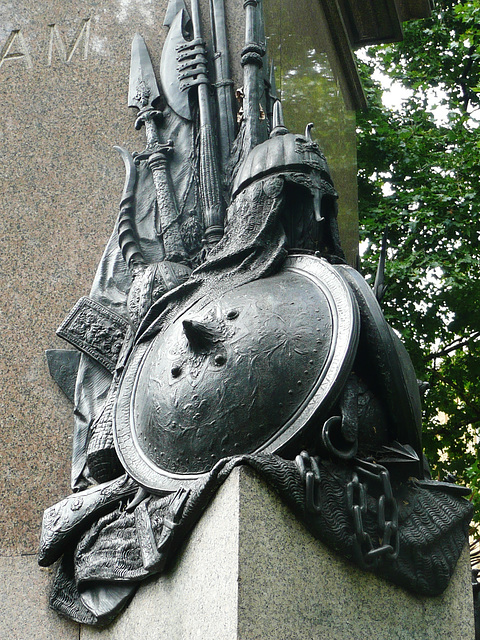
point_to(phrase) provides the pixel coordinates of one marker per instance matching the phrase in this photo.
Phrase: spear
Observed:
(210, 189)
(143, 93)
(177, 81)
(271, 92)
(223, 81)
(252, 62)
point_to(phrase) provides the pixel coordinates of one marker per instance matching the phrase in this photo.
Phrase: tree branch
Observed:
(467, 93)
(453, 346)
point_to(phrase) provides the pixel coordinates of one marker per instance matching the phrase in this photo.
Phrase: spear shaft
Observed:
(210, 189)
(143, 92)
(223, 81)
(252, 62)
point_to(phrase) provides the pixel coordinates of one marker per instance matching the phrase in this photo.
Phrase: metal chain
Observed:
(387, 515)
(310, 474)
(357, 492)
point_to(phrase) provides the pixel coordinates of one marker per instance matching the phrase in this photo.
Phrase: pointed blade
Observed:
(143, 88)
(63, 367)
(379, 286)
(400, 453)
(174, 7)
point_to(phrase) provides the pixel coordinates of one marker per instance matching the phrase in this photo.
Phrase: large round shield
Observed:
(241, 374)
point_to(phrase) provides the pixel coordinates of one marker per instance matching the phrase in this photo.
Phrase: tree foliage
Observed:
(419, 174)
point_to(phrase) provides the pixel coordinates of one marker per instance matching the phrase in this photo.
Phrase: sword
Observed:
(142, 94)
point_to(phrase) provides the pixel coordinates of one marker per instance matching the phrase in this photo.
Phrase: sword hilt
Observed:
(156, 154)
(151, 118)
(165, 148)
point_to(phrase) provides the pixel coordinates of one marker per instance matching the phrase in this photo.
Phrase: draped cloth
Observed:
(253, 246)
(106, 560)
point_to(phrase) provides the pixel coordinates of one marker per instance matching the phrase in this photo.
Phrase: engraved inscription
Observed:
(80, 42)
(16, 48)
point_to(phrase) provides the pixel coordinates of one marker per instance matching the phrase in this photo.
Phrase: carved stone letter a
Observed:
(19, 52)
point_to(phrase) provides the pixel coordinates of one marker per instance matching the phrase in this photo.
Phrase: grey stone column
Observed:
(251, 571)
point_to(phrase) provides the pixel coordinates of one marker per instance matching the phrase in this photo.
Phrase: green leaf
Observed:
(432, 207)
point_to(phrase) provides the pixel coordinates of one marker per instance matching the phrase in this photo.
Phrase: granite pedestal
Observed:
(251, 571)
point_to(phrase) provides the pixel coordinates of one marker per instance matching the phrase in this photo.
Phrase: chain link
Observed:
(387, 513)
(378, 478)
(310, 474)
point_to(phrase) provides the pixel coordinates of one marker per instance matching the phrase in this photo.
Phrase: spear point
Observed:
(273, 84)
(143, 87)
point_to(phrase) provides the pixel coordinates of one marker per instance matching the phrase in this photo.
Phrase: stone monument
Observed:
(223, 329)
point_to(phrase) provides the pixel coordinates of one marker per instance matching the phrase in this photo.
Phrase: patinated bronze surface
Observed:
(216, 381)
(224, 328)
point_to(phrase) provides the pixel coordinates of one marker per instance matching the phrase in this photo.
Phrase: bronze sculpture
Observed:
(225, 328)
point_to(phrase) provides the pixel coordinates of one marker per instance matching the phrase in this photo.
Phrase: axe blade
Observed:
(178, 100)
(174, 7)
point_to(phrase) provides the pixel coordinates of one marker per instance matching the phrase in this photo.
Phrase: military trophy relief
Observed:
(224, 328)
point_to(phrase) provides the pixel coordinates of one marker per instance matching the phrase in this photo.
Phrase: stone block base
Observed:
(251, 571)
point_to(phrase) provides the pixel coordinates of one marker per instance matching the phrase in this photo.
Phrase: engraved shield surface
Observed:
(240, 374)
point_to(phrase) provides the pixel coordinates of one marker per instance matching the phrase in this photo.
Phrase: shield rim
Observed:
(345, 335)
(404, 410)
